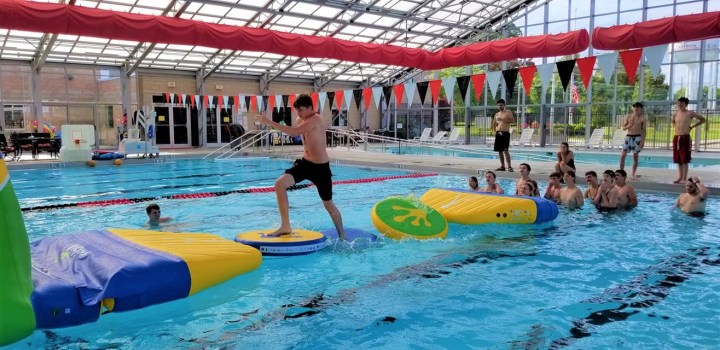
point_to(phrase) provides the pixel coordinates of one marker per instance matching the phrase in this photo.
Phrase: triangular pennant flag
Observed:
(357, 96)
(478, 81)
(248, 103)
(315, 97)
(219, 101)
(193, 98)
(434, 90)
(291, 100)
(463, 84)
(348, 99)
(410, 92)
(206, 101)
(279, 101)
(339, 99)
(510, 76)
(323, 96)
(654, 56)
(182, 99)
(631, 60)
(167, 97)
(449, 85)
(387, 92)
(377, 95)
(586, 66)
(263, 103)
(331, 98)
(422, 88)
(565, 70)
(546, 73)
(236, 103)
(367, 97)
(271, 103)
(493, 81)
(399, 89)
(527, 74)
(253, 104)
(607, 63)
(285, 101)
(173, 98)
(196, 100)
(226, 102)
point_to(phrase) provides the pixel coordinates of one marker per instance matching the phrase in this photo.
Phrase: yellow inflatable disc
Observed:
(298, 242)
(399, 217)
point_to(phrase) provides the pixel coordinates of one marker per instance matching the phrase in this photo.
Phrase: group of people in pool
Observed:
(607, 193)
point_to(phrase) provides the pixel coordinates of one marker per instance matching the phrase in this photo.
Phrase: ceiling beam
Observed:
(46, 44)
(145, 53)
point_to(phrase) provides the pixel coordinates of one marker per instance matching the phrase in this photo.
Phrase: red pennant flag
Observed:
(585, 66)
(435, 89)
(399, 90)
(367, 97)
(478, 81)
(167, 97)
(631, 60)
(253, 104)
(314, 96)
(192, 101)
(339, 97)
(271, 103)
(291, 101)
(220, 101)
(206, 102)
(236, 102)
(527, 74)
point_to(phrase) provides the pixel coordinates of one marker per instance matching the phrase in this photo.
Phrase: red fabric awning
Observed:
(78, 20)
(657, 32)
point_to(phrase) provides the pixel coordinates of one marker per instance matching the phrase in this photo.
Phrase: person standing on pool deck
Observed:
(635, 124)
(682, 143)
(313, 166)
(501, 127)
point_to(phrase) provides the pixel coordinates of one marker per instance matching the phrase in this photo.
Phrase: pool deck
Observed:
(650, 179)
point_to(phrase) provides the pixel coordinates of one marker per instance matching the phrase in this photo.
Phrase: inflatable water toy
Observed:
(76, 276)
(299, 242)
(107, 155)
(351, 233)
(473, 208)
(400, 217)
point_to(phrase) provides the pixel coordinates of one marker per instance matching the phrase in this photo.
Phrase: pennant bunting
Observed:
(607, 63)
(410, 93)
(367, 97)
(463, 84)
(242, 103)
(263, 102)
(434, 90)
(322, 96)
(546, 73)
(339, 98)
(493, 80)
(219, 101)
(236, 103)
(206, 101)
(193, 98)
(449, 85)
(399, 89)
(167, 97)
(331, 98)
(347, 95)
(249, 104)
(478, 81)
(357, 96)
(182, 99)
(377, 95)
(226, 102)
(279, 101)
(315, 97)
(631, 59)
(387, 91)
(253, 104)
(586, 66)
(527, 74)
(271, 103)
(291, 100)
(565, 70)
(654, 56)
(422, 88)
(510, 76)
(285, 101)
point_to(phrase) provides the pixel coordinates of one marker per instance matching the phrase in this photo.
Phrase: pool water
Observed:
(609, 158)
(646, 278)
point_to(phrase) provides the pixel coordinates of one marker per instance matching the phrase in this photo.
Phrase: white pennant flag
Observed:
(182, 99)
(449, 85)
(546, 73)
(242, 103)
(197, 101)
(410, 92)
(278, 101)
(348, 96)
(226, 101)
(259, 99)
(654, 56)
(323, 97)
(377, 95)
(493, 81)
(607, 64)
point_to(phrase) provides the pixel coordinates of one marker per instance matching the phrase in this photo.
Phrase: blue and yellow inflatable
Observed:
(473, 208)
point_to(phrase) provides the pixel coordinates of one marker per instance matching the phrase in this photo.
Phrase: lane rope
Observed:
(122, 201)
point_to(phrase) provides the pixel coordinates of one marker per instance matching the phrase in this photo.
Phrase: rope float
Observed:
(122, 201)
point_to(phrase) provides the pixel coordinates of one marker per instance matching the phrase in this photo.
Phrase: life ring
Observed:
(299, 242)
(400, 217)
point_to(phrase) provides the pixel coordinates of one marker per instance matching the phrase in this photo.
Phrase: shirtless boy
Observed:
(492, 186)
(501, 127)
(635, 124)
(553, 190)
(570, 196)
(626, 193)
(313, 166)
(682, 143)
(607, 195)
(593, 184)
(694, 198)
(524, 177)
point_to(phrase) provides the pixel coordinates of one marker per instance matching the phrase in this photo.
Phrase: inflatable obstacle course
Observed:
(402, 217)
(299, 242)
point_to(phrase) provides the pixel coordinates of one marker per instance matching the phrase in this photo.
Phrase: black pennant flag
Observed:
(565, 69)
(357, 95)
(331, 98)
(463, 83)
(247, 102)
(510, 76)
(387, 91)
(422, 89)
(265, 103)
(285, 99)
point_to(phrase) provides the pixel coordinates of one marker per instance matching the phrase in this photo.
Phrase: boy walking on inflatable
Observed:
(313, 166)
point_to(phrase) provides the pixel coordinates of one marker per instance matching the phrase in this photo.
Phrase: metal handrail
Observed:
(229, 150)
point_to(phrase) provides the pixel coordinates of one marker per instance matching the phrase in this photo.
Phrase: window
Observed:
(14, 116)
(339, 118)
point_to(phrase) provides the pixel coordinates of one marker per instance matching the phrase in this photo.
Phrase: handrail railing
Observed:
(232, 148)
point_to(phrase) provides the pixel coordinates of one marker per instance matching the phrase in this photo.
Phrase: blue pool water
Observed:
(609, 158)
(649, 278)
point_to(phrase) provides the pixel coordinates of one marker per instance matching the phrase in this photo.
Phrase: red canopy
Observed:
(78, 20)
(657, 32)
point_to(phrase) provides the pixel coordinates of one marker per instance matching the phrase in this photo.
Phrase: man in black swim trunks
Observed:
(314, 165)
(501, 127)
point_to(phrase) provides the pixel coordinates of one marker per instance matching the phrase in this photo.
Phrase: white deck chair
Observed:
(425, 136)
(438, 137)
(596, 139)
(525, 137)
(453, 138)
(618, 139)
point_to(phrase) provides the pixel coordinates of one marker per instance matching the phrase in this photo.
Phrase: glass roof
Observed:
(426, 24)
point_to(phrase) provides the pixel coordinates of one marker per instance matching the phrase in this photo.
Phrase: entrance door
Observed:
(217, 127)
(172, 127)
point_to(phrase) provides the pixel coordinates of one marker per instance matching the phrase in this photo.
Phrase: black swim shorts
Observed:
(502, 141)
(318, 174)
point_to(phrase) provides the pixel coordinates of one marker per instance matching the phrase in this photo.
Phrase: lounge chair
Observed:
(425, 136)
(525, 137)
(596, 139)
(439, 137)
(453, 138)
(618, 140)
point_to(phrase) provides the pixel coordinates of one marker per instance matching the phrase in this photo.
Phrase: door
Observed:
(217, 128)
(172, 127)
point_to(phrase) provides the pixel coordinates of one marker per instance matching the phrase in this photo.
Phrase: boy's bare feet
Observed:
(280, 232)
